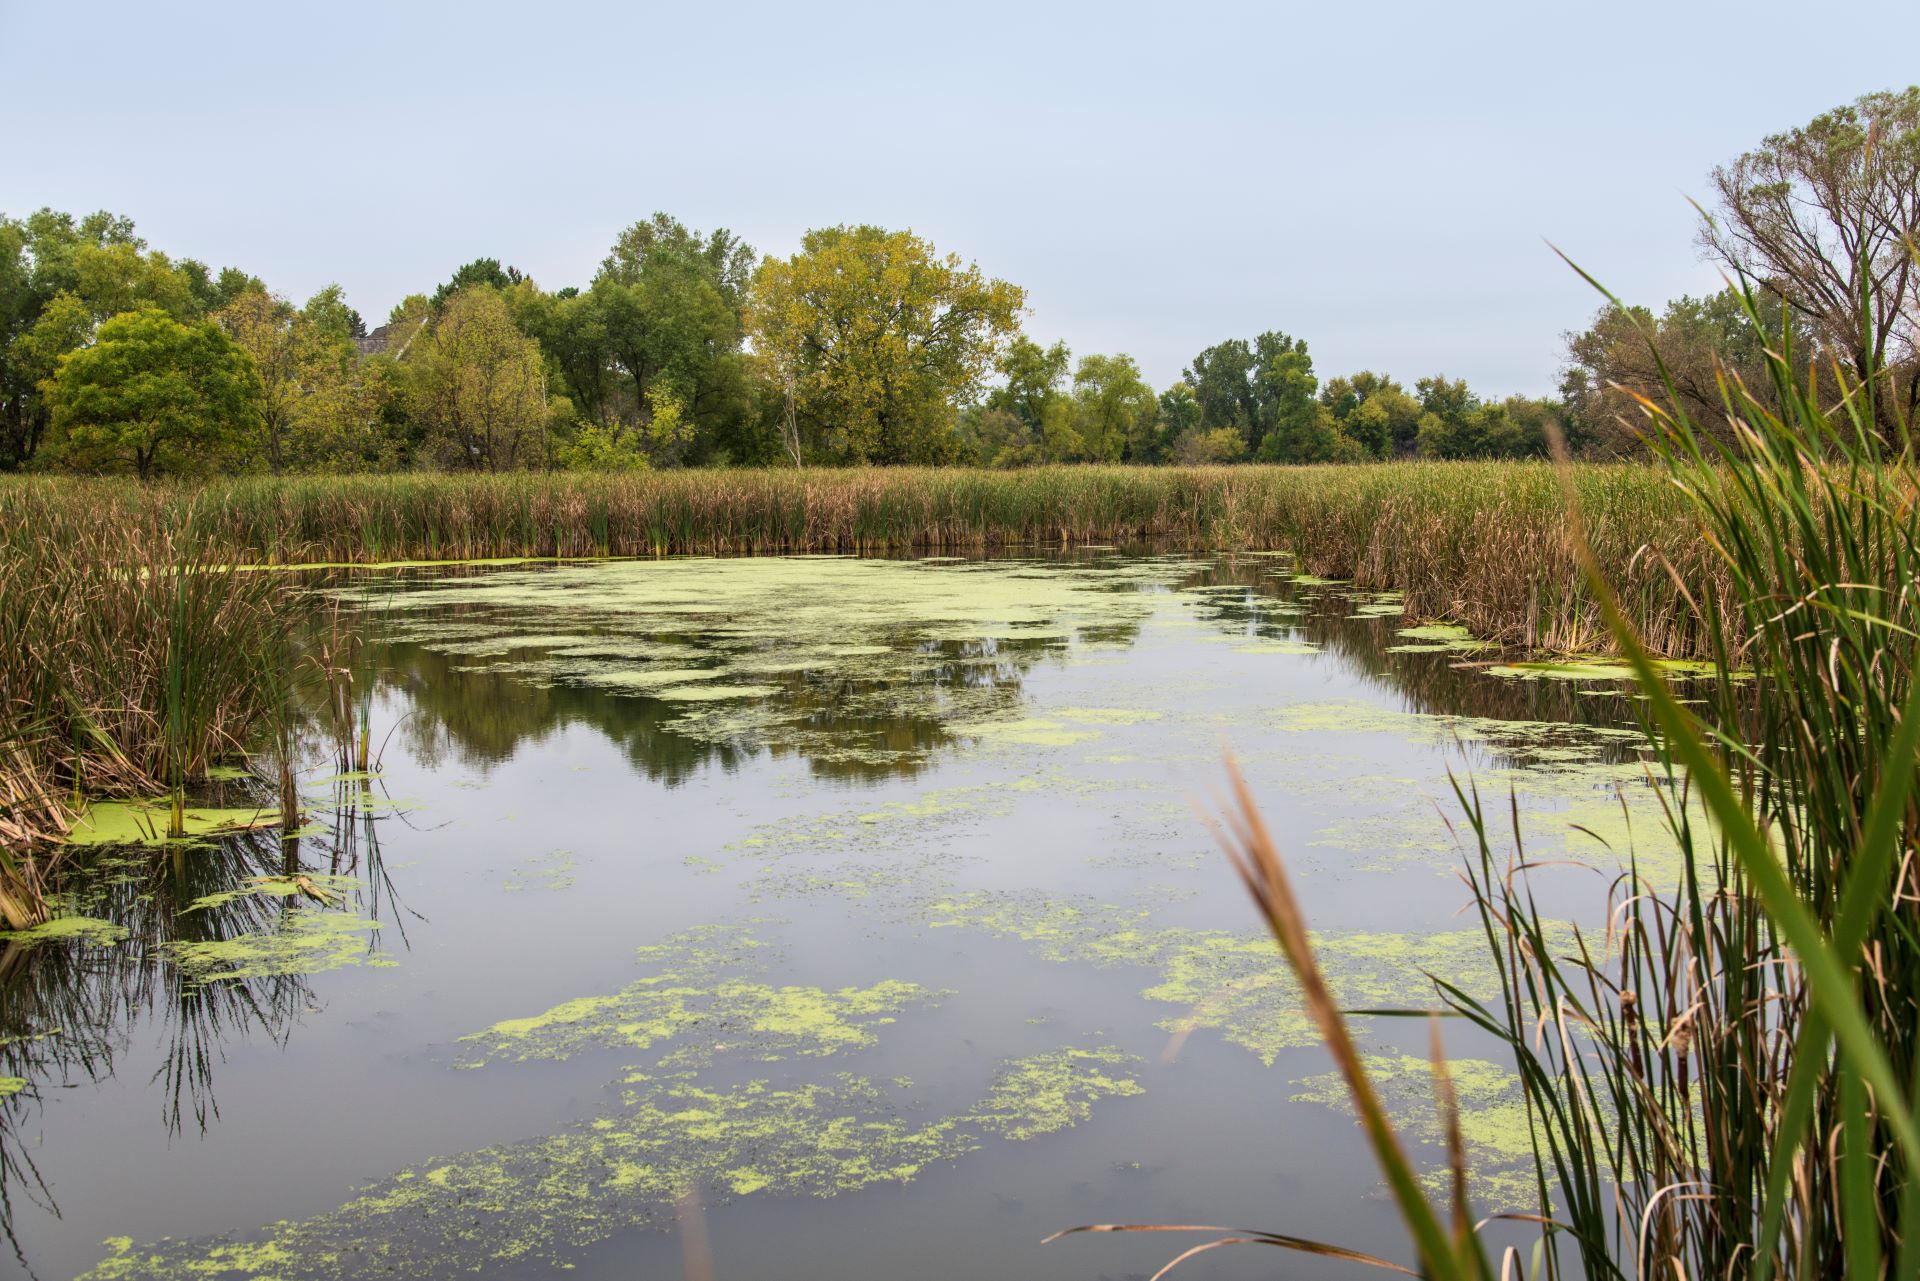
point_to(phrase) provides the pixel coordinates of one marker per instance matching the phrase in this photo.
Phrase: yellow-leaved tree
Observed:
(872, 337)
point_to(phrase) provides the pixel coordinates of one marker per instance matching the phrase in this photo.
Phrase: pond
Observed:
(828, 915)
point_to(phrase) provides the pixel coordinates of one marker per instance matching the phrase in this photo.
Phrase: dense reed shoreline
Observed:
(1480, 544)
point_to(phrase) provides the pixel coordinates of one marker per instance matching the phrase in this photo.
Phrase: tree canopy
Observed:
(154, 395)
(876, 335)
(869, 345)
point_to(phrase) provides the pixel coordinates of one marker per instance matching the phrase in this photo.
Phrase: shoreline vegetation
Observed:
(1483, 545)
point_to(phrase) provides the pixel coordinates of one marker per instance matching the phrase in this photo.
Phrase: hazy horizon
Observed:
(1381, 184)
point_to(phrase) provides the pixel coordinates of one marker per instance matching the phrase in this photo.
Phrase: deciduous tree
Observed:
(1827, 214)
(881, 335)
(153, 395)
(1114, 409)
(478, 387)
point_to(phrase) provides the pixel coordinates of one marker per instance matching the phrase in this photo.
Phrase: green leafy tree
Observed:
(60, 277)
(477, 386)
(670, 329)
(329, 314)
(879, 336)
(1114, 409)
(481, 271)
(1456, 424)
(1200, 447)
(154, 395)
(1611, 368)
(270, 332)
(1179, 414)
(320, 407)
(1034, 377)
(572, 330)
(721, 257)
(1290, 425)
(660, 324)
(1375, 411)
(1034, 397)
(1222, 382)
(990, 437)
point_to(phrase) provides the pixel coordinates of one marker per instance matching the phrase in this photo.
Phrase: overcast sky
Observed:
(1379, 179)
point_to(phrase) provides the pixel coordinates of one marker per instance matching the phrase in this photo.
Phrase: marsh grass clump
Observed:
(130, 654)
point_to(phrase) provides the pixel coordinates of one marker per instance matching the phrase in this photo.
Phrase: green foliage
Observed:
(60, 277)
(869, 347)
(1615, 365)
(153, 395)
(321, 409)
(1034, 375)
(1179, 413)
(615, 447)
(1455, 423)
(878, 335)
(721, 257)
(481, 271)
(661, 319)
(477, 386)
(1197, 448)
(1375, 411)
(1114, 410)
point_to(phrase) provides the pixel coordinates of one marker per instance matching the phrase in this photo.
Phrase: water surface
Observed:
(853, 912)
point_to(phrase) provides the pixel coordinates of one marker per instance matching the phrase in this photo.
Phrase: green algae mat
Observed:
(853, 913)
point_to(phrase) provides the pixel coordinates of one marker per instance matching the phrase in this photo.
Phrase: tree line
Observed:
(870, 346)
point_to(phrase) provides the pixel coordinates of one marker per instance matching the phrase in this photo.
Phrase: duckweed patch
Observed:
(1233, 984)
(145, 822)
(1278, 647)
(551, 871)
(11, 1085)
(807, 654)
(698, 998)
(533, 1205)
(1031, 732)
(1352, 716)
(320, 887)
(1432, 638)
(1108, 715)
(1599, 670)
(1053, 1091)
(1493, 1123)
(87, 931)
(302, 941)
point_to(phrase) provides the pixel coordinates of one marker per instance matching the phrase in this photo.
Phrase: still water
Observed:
(834, 916)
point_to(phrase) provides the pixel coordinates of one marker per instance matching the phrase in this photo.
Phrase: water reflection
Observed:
(70, 1009)
(846, 726)
(488, 664)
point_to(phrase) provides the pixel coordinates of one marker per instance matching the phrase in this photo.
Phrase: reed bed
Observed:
(1484, 545)
(132, 657)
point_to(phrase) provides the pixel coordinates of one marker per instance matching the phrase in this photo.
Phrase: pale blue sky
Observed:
(1378, 179)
